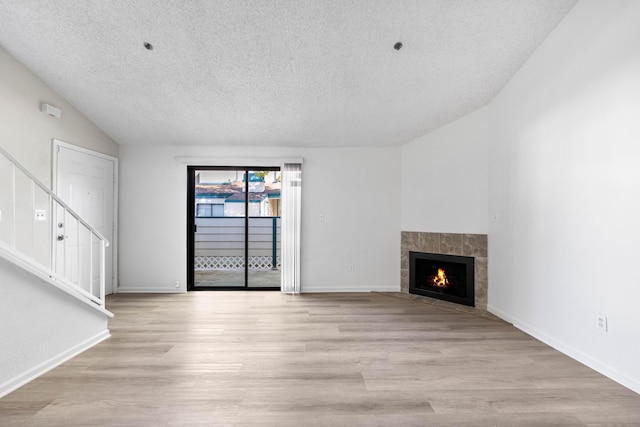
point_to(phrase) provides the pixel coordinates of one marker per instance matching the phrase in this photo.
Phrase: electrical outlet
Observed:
(351, 267)
(176, 283)
(603, 324)
(41, 215)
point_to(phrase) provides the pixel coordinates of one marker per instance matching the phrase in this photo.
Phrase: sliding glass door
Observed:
(234, 228)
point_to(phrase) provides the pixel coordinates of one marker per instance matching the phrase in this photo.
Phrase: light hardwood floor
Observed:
(268, 359)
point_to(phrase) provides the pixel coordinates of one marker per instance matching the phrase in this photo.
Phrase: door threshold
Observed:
(232, 288)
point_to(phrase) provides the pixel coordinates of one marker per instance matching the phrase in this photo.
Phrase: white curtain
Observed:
(290, 228)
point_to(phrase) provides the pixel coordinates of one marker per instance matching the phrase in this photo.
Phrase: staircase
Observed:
(73, 262)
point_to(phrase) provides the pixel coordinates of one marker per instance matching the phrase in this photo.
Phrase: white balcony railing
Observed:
(29, 218)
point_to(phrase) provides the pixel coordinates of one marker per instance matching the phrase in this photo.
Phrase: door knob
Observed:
(60, 237)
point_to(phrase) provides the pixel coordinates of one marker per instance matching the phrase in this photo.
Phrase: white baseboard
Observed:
(326, 289)
(44, 367)
(150, 290)
(313, 289)
(606, 370)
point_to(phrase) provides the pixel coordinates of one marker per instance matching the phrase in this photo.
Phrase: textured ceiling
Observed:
(288, 73)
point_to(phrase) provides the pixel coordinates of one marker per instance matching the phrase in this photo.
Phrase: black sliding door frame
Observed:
(191, 227)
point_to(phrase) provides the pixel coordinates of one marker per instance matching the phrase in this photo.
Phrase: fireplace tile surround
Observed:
(474, 245)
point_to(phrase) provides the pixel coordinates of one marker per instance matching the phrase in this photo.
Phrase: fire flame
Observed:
(440, 280)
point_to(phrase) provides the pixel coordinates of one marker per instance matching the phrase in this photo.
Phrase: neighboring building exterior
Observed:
(227, 199)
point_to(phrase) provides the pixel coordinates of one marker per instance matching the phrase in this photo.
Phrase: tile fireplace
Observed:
(464, 245)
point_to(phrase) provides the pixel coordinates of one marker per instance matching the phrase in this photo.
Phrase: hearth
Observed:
(446, 277)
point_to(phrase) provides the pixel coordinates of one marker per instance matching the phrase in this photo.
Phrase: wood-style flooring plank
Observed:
(269, 359)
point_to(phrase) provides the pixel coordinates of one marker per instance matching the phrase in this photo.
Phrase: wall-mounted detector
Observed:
(51, 110)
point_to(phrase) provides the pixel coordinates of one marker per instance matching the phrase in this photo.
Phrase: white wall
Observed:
(340, 183)
(565, 187)
(445, 178)
(40, 327)
(27, 133)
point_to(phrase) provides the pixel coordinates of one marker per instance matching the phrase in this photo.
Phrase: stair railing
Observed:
(30, 213)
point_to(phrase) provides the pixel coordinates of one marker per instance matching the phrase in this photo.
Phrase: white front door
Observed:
(86, 181)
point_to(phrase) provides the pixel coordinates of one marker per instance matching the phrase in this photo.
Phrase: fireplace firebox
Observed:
(446, 277)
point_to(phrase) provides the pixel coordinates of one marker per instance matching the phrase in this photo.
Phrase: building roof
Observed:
(234, 192)
(253, 197)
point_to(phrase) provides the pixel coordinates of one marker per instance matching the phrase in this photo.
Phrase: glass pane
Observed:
(203, 210)
(219, 238)
(264, 229)
(217, 210)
